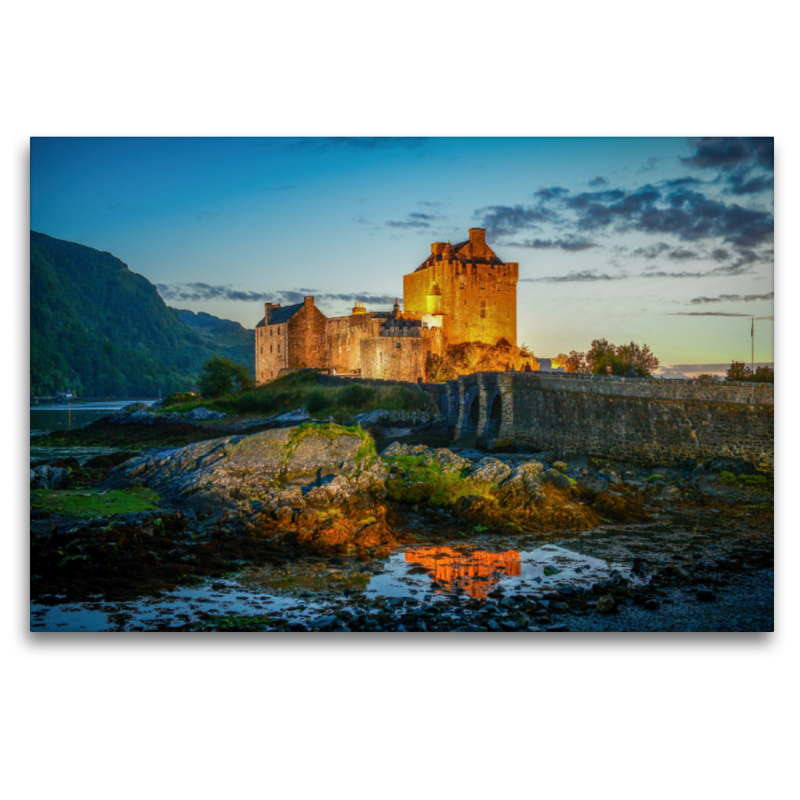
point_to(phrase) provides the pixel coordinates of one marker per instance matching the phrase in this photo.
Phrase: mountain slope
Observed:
(99, 329)
(230, 338)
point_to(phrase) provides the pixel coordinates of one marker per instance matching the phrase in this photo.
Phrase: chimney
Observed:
(268, 309)
(477, 236)
(308, 301)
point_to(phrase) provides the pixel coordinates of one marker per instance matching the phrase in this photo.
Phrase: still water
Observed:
(312, 587)
(64, 416)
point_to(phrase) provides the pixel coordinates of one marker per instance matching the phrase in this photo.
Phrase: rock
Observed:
(523, 489)
(203, 413)
(276, 466)
(493, 625)
(47, 477)
(561, 466)
(652, 604)
(705, 595)
(558, 629)
(736, 466)
(606, 604)
(132, 408)
(292, 417)
(322, 622)
(558, 479)
(392, 417)
(490, 470)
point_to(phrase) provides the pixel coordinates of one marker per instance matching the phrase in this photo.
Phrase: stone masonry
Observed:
(470, 290)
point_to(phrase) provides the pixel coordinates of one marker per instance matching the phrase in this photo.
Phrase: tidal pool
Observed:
(308, 588)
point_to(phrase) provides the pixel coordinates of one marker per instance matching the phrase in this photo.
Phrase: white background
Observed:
(658, 715)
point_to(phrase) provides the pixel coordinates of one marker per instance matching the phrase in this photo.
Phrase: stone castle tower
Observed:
(466, 290)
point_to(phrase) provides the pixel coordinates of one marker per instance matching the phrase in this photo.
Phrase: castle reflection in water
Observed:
(477, 573)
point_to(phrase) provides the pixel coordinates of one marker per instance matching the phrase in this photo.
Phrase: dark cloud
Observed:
(416, 219)
(598, 181)
(551, 193)
(569, 243)
(507, 220)
(651, 251)
(713, 314)
(585, 276)
(197, 292)
(732, 153)
(740, 184)
(737, 298)
(681, 254)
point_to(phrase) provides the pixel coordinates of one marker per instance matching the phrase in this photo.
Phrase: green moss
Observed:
(743, 480)
(416, 482)
(93, 502)
(365, 454)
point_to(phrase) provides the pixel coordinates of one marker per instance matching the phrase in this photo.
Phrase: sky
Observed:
(662, 241)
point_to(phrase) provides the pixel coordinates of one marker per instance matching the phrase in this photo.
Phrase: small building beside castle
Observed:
(461, 293)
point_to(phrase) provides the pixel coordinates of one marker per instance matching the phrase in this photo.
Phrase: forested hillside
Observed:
(99, 329)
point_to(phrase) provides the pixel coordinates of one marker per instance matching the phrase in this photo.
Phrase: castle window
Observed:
(462, 284)
(322, 340)
(483, 308)
(483, 286)
(279, 348)
(498, 285)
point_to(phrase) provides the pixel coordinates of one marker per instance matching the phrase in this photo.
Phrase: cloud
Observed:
(598, 181)
(507, 220)
(570, 243)
(732, 298)
(732, 153)
(739, 184)
(585, 276)
(198, 292)
(416, 219)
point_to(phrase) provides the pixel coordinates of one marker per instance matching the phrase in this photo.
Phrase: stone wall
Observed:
(307, 343)
(344, 335)
(638, 420)
(473, 290)
(272, 352)
(401, 357)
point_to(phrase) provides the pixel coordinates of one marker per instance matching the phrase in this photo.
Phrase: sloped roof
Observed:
(463, 252)
(281, 315)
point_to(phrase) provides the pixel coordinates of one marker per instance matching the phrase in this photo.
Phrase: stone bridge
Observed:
(641, 420)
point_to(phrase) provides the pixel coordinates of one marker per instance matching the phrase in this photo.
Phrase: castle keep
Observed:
(467, 290)
(461, 293)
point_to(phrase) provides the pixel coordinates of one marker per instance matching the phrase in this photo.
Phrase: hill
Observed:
(231, 339)
(99, 329)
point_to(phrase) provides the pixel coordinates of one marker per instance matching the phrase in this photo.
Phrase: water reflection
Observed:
(476, 572)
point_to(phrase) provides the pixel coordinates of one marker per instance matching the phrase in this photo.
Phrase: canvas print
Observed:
(485, 385)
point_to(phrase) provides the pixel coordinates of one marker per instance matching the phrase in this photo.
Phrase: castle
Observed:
(460, 293)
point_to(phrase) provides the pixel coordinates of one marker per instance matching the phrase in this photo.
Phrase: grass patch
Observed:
(415, 482)
(302, 390)
(743, 480)
(93, 502)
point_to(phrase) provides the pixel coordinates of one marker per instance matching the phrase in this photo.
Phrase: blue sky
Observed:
(665, 241)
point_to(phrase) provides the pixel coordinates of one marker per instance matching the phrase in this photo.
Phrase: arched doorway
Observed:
(495, 417)
(475, 413)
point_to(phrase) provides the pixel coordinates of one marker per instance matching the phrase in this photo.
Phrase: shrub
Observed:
(356, 396)
(317, 401)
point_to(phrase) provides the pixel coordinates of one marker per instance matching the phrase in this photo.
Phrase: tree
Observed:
(739, 371)
(219, 375)
(626, 360)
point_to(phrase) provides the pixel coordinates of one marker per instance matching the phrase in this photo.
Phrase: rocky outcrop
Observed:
(300, 467)
(50, 477)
